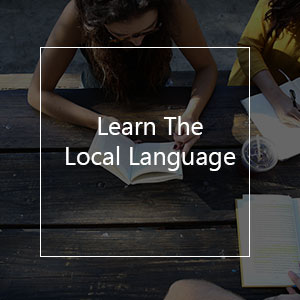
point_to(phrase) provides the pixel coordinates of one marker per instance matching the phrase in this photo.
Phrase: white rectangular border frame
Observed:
(138, 256)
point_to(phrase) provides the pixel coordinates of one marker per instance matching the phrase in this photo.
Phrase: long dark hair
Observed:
(283, 14)
(114, 66)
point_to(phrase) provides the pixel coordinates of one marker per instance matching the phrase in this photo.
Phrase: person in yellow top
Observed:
(273, 33)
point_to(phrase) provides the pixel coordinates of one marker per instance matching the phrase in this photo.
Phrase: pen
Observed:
(293, 98)
(292, 92)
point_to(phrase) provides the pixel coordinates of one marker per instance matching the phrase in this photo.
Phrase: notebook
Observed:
(275, 239)
(285, 139)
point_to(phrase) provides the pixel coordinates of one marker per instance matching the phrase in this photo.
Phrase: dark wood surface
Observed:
(24, 275)
(88, 211)
(94, 194)
(225, 122)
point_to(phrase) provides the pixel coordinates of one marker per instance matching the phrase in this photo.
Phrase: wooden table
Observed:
(88, 211)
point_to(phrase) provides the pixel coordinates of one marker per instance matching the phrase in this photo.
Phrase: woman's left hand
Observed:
(294, 277)
(293, 295)
(185, 141)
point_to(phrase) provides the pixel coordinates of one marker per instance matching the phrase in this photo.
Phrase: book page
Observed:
(166, 148)
(296, 203)
(155, 177)
(109, 143)
(285, 139)
(274, 246)
(297, 84)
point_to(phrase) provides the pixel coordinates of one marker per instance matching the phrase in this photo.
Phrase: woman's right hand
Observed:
(286, 112)
(282, 104)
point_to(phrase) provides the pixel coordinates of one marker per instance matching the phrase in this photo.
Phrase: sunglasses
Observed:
(113, 39)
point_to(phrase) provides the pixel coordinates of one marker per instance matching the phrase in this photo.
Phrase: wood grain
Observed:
(86, 210)
(90, 195)
(24, 275)
(225, 121)
(73, 81)
(140, 242)
(22, 81)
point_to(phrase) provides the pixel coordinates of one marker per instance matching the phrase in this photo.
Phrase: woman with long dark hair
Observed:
(124, 73)
(273, 33)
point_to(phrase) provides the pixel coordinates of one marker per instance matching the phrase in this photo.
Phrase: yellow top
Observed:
(272, 54)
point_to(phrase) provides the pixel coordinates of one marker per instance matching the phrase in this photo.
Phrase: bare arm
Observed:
(65, 33)
(255, 36)
(190, 35)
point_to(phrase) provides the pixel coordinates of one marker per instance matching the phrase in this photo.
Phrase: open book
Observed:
(124, 148)
(274, 239)
(285, 139)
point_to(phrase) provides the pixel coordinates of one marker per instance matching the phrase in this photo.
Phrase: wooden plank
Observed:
(24, 275)
(140, 242)
(225, 122)
(90, 195)
(95, 195)
(22, 81)
(73, 81)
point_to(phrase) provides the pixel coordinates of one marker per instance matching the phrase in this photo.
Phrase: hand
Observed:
(185, 141)
(293, 295)
(296, 280)
(138, 141)
(110, 119)
(286, 112)
(282, 104)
